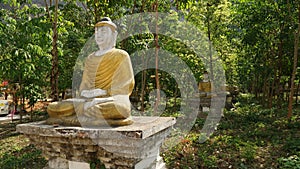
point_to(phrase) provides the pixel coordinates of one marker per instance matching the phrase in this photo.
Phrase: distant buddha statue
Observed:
(107, 82)
(205, 84)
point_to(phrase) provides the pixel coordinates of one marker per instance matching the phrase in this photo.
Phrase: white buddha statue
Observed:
(106, 84)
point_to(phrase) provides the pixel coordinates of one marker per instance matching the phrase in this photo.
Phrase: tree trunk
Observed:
(211, 74)
(296, 47)
(156, 60)
(265, 91)
(271, 93)
(47, 9)
(278, 84)
(254, 88)
(144, 74)
(54, 52)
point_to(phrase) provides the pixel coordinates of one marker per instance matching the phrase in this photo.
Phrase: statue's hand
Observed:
(87, 105)
(93, 93)
(95, 101)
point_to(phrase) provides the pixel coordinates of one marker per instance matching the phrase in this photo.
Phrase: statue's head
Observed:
(105, 33)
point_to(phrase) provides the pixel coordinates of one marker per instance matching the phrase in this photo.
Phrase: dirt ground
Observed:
(39, 106)
(38, 112)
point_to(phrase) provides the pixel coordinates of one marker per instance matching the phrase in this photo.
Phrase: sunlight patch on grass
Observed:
(11, 144)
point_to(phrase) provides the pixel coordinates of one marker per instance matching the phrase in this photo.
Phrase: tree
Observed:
(24, 50)
(295, 63)
(264, 46)
(54, 53)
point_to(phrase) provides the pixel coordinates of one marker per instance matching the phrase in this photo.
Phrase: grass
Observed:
(16, 151)
(249, 136)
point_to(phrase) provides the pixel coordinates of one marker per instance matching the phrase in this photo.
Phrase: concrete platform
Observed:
(133, 146)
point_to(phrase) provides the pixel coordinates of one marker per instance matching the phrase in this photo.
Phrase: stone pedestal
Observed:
(134, 146)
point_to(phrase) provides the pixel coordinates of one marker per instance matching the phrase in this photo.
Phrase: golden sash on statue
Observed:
(111, 72)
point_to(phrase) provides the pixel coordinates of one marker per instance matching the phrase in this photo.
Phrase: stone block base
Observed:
(134, 146)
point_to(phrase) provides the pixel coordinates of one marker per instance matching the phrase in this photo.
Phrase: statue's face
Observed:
(103, 35)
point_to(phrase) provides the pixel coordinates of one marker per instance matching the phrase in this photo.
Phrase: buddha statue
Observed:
(107, 82)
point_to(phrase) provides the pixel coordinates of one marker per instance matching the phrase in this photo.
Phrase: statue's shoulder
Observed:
(121, 52)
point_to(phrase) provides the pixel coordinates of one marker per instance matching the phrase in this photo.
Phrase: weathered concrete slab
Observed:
(125, 147)
(142, 127)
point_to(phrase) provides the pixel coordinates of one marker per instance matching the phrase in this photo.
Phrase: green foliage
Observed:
(255, 47)
(264, 42)
(97, 165)
(292, 145)
(292, 162)
(74, 30)
(26, 46)
(26, 157)
(214, 18)
(27, 37)
(24, 57)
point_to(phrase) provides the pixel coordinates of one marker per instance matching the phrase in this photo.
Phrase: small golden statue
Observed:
(107, 82)
(205, 84)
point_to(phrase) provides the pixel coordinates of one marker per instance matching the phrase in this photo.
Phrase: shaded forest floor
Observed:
(248, 136)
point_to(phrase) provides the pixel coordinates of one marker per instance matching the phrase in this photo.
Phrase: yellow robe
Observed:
(111, 72)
